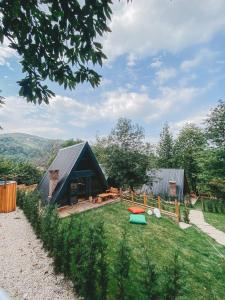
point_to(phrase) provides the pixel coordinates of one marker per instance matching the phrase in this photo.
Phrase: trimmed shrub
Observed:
(173, 286)
(150, 280)
(20, 195)
(122, 268)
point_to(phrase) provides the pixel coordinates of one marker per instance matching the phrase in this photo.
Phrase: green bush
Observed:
(122, 268)
(149, 277)
(20, 196)
(213, 206)
(217, 187)
(23, 172)
(186, 215)
(173, 285)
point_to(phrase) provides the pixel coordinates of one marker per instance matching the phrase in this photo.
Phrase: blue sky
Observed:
(166, 62)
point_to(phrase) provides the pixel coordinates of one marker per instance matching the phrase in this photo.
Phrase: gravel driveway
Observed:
(25, 270)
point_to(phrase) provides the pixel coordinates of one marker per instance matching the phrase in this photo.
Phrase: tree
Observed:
(127, 154)
(215, 125)
(27, 173)
(165, 148)
(6, 167)
(100, 149)
(212, 162)
(23, 172)
(187, 148)
(58, 41)
(55, 148)
(212, 175)
(71, 142)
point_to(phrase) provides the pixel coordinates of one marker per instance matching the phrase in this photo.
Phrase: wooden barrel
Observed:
(7, 196)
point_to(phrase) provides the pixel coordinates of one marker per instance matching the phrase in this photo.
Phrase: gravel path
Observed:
(197, 218)
(26, 271)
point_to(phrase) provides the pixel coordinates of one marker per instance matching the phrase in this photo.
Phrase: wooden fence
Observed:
(168, 208)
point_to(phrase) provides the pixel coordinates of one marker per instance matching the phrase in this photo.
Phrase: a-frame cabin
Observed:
(74, 174)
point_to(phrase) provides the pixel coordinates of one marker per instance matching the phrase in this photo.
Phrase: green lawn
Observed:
(203, 277)
(215, 219)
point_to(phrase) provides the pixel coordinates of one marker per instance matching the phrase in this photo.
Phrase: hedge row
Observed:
(80, 251)
(214, 206)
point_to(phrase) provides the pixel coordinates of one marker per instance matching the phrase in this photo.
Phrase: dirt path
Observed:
(197, 218)
(25, 270)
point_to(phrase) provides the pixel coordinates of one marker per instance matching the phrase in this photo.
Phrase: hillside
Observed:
(25, 147)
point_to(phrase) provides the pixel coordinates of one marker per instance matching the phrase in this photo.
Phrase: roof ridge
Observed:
(72, 146)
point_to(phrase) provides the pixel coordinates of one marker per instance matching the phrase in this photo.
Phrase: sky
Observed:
(166, 63)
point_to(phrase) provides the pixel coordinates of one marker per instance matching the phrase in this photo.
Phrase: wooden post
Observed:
(159, 203)
(132, 196)
(145, 199)
(177, 206)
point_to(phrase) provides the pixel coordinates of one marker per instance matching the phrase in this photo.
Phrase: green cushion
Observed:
(137, 219)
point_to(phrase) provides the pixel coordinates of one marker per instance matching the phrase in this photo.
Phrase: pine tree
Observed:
(165, 148)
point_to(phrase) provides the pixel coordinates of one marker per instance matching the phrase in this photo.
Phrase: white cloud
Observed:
(146, 27)
(163, 75)
(5, 54)
(204, 55)
(65, 115)
(131, 60)
(156, 63)
(197, 118)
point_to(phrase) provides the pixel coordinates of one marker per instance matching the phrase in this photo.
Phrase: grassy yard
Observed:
(215, 219)
(203, 270)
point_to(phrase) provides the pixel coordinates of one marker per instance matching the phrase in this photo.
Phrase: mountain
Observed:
(26, 147)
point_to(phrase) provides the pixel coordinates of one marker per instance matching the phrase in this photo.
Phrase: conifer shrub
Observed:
(150, 277)
(122, 268)
(49, 222)
(173, 284)
(186, 214)
(76, 252)
(20, 195)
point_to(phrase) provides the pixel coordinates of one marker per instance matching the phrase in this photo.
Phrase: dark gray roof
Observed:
(64, 162)
(159, 181)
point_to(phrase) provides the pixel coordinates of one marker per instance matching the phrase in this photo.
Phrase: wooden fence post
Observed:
(145, 199)
(177, 205)
(159, 202)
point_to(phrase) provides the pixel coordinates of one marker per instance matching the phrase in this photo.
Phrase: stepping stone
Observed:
(183, 225)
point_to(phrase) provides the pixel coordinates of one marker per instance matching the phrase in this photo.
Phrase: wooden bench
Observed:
(110, 193)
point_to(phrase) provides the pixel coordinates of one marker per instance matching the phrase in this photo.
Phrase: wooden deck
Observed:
(82, 206)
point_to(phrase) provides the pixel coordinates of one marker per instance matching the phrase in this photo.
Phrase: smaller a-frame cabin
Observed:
(74, 174)
(167, 183)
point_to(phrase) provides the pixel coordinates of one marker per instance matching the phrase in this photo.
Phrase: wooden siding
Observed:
(7, 196)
